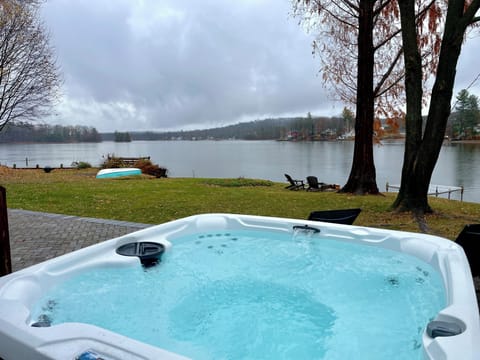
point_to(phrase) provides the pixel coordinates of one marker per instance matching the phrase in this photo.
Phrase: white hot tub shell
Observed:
(19, 291)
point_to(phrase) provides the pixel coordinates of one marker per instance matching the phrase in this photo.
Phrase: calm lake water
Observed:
(458, 165)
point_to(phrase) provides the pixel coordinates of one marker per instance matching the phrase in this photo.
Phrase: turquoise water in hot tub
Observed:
(261, 295)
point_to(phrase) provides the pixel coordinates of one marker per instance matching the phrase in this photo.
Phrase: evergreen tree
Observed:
(122, 137)
(349, 119)
(467, 116)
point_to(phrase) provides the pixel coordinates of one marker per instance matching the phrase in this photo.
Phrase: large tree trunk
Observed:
(421, 154)
(362, 179)
(410, 193)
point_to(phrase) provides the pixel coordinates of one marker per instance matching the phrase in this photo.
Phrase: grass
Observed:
(149, 200)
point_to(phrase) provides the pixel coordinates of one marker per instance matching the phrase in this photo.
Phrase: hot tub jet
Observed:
(305, 229)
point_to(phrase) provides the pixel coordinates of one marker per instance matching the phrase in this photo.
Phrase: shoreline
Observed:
(464, 141)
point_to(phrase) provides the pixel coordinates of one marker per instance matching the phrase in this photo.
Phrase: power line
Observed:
(474, 81)
(468, 87)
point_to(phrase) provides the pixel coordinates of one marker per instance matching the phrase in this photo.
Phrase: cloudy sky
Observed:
(186, 64)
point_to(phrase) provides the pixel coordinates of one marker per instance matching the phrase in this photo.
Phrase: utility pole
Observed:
(5, 257)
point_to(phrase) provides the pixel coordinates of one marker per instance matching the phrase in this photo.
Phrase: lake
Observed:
(458, 165)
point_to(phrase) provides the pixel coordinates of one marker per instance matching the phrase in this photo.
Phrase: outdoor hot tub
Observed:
(236, 286)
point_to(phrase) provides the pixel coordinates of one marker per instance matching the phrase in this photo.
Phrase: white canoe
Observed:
(112, 173)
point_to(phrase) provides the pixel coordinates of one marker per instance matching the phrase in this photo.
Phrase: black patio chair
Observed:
(342, 216)
(294, 184)
(469, 239)
(314, 185)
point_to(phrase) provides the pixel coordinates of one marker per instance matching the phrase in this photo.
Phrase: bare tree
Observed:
(29, 78)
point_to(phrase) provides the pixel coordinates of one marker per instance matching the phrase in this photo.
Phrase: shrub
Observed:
(112, 162)
(83, 165)
(149, 168)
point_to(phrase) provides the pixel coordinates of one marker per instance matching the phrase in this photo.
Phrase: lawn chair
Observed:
(294, 184)
(314, 185)
(343, 216)
(469, 239)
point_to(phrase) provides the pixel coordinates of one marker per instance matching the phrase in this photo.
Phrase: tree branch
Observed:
(380, 8)
(472, 10)
(352, 6)
(387, 73)
(387, 39)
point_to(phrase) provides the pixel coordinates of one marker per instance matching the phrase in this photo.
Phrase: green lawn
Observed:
(150, 200)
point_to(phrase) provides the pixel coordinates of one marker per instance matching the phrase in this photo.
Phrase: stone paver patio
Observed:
(37, 236)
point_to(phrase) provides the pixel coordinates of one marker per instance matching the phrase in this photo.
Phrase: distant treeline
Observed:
(122, 137)
(268, 129)
(27, 132)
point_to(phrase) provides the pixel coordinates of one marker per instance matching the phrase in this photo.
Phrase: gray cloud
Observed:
(468, 70)
(173, 64)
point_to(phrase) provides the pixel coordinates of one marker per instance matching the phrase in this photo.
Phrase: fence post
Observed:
(5, 257)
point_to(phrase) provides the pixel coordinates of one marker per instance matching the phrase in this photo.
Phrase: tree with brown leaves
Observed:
(360, 47)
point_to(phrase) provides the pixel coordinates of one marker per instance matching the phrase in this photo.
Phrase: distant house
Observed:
(292, 135)
(347, 136)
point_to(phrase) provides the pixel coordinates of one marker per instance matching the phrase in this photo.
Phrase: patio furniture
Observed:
(469, 239)
(294, 184)
(342, 216)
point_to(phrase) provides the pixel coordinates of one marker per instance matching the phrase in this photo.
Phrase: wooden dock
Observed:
(434, 190)
(127, 161)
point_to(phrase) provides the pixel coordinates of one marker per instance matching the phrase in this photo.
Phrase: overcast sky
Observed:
(187, 64)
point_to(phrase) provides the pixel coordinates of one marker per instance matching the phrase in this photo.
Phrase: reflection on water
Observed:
(458, 164)
(466, 160)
